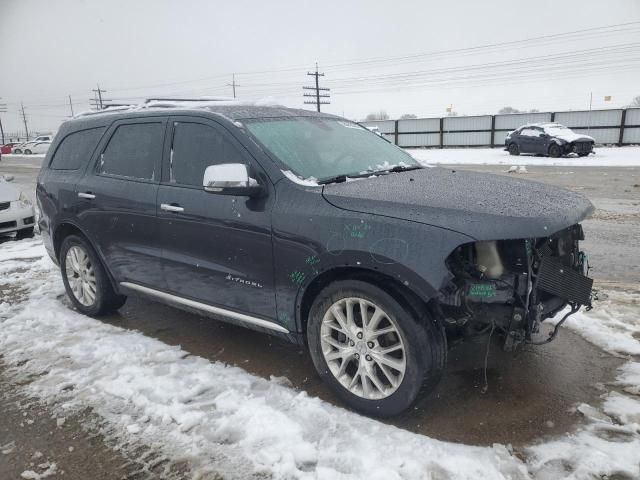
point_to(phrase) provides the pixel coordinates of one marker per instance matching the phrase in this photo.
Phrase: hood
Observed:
(481, 205)
(574, 137)
(8, 192)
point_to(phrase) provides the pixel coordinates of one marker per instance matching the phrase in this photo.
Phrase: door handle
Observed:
(87, 195)
(171, 208)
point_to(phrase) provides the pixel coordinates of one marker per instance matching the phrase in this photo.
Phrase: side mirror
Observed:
(544, 135)
(230, 179)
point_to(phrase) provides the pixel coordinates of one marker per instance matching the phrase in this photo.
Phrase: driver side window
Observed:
(195, 147)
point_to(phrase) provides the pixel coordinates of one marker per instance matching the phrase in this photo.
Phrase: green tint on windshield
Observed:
(323, 147)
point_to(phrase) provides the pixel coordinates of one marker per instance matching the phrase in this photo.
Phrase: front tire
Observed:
(85, 279)
(27, 152)
(555, 151)
(514, 149)
(375, 353)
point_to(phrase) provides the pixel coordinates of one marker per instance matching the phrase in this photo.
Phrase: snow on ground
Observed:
(604, 157)
(228, 421)
(25, 161)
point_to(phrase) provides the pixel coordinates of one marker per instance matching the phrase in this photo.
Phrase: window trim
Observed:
(165, 178)
(108, 136)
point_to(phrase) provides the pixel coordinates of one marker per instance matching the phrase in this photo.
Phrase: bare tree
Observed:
(504, 110)
(381, 115)
(407, 116)
(635, 103)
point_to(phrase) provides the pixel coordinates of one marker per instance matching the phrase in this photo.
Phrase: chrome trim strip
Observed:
(207, 308)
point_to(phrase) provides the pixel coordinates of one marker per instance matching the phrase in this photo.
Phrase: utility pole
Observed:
(98, 100)
(3, 109)
(233, 84)
(71, 105)
(317, 90)
(24, 119)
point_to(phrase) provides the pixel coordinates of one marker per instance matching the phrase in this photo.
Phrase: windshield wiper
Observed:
(343, 177)
(400, 168)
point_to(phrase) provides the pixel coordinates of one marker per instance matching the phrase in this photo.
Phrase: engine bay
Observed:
(514, 285)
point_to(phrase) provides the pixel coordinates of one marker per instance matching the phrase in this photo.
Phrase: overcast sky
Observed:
(402, 57)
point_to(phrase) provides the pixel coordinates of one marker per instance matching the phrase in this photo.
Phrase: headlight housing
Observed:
(24, 201)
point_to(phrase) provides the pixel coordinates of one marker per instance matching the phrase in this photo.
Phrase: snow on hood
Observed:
(8, 192)
(567, 134)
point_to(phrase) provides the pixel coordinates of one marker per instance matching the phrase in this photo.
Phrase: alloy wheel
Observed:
(363, 348)
(80, 275)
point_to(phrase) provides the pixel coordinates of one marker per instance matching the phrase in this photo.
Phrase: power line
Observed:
(98, 101)
(317, 89)
(233, 84)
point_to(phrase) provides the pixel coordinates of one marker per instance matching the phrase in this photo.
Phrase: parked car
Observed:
(38, 147)
(311, 227)
(7, 148)
(550, 139)
(21, 148)
(17, 216)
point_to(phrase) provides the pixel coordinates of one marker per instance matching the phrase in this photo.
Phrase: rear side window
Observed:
(76, 149)
(133, 151)
(195, 147)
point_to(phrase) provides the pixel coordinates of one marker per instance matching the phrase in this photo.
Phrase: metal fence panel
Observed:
(498, 138)
(467, 138)
(631, 135)
(601, 135)
(452, 124)
(595, 118)
(419, 125)
(419, 140)
(385, 126)
(633, 117)
(515, 120)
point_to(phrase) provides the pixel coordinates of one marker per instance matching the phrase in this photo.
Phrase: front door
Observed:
(117, 200)
(216, 248)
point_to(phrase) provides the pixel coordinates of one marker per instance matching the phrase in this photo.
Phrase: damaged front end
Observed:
(513, 285)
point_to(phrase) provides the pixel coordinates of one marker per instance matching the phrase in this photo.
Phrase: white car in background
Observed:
(17, 216)
(39, 147)
(18, 149)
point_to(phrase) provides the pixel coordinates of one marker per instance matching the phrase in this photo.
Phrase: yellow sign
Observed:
(607, 98)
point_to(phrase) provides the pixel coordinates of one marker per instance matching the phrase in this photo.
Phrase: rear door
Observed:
(118, 200)
(217, 248)
(530, 140)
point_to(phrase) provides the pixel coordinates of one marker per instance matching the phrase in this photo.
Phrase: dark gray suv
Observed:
(308, 226)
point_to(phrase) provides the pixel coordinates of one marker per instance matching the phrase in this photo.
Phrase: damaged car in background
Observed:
(548, 139)
(308, 226)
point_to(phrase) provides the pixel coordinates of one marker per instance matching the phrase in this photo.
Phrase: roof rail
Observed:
(197, 99)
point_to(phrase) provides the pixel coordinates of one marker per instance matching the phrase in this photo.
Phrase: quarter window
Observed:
(76, 149)
(133, 151)
(195, 147)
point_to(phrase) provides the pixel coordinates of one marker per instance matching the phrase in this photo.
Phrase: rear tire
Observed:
(379, 374)
(514, 149)
(85, 278)
(555, 151)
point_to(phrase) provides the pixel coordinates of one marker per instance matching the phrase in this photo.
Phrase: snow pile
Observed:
(609, 443)
(221, 418)
(226, 421)
(604, 157)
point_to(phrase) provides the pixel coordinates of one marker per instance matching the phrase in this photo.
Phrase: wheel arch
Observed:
(66, 228)
(401, 292)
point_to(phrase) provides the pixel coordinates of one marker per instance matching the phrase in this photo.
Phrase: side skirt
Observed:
(169, 298)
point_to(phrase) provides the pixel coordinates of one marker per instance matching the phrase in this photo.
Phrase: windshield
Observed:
(322, 148)
(557, 129)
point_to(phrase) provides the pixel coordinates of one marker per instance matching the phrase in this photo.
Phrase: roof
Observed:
(231, 110)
